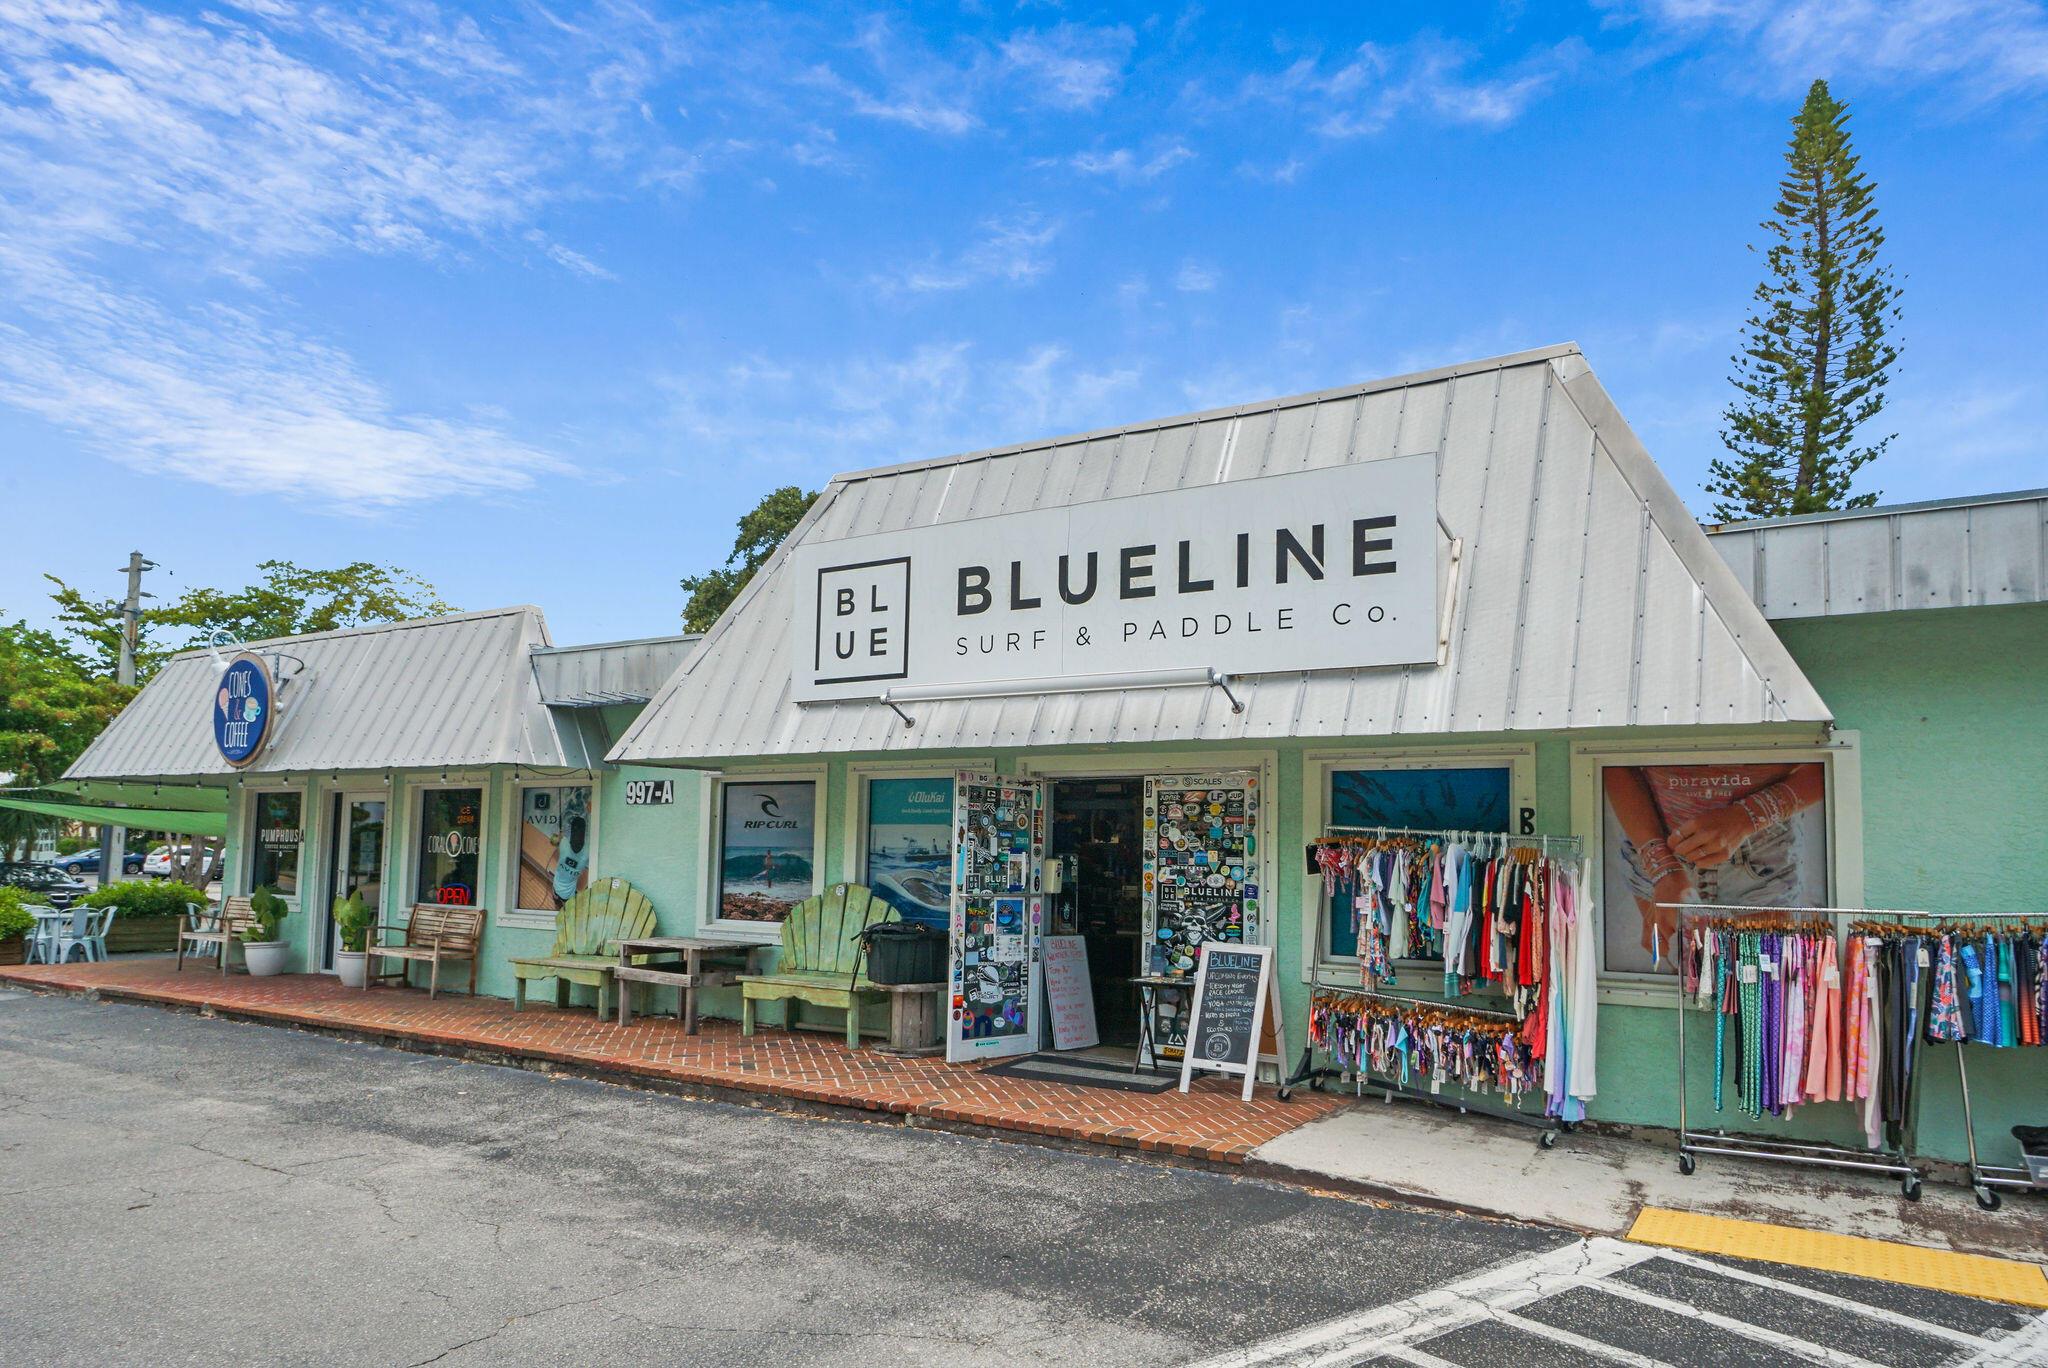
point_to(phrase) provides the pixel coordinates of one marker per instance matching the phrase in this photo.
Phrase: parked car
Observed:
(158, 865)
(45, 883)
(87, 861)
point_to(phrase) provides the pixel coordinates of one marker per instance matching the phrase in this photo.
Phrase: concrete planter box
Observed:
(143, 933)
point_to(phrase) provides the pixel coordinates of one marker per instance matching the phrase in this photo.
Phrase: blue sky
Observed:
(537, 301)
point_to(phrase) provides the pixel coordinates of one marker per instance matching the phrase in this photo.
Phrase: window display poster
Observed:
(910, 847)
(277, 843)
(1464, 798)
(767, 840)
(554, 846)
(1729, 835)
(451, 845)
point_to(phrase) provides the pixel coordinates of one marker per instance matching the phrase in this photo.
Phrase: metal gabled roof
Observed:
(1588, 595)
(433, 693)
(1949, 553)
(605, 673)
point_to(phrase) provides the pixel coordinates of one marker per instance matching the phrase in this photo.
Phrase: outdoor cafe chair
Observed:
(86, 933)
(42, 937)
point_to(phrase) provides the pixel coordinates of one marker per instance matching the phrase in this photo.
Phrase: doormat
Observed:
(1084, 1073)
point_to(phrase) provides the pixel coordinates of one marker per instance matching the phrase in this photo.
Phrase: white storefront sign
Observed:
(1324, 569)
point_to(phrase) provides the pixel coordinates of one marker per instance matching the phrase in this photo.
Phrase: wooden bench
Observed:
(432, 933)
(588, 930)
(219, 931)
(822, 960)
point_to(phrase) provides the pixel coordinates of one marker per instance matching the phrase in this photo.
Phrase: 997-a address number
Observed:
(650, 792)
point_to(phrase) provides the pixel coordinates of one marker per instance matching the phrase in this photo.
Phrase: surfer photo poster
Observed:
(910, 847)
(768, 840)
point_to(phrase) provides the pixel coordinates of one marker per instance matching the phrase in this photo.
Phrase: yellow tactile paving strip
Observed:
(1968, 1275)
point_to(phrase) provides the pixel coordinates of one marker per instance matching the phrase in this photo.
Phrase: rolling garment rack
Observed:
(1550, 1128)
(1986, 1180)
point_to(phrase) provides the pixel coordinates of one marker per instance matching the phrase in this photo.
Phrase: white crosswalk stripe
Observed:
(1406, 1331)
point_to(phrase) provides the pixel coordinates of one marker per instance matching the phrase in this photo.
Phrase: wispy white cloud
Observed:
(869, 408)
(1428, 77)
(1129, 167)
(1976, 50)
(223, 148)
(1069, 66)
(1013, 249)
(232, 398)
(1195, 277)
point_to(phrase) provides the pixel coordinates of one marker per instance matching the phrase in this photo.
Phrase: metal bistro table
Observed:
(684, 963)
(1149, 987)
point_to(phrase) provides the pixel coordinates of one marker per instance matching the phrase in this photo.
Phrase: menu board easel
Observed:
(1233, 984)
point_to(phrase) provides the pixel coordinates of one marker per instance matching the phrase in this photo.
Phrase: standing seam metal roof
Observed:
(1588, 596)
(1951, 553)
(433, 693)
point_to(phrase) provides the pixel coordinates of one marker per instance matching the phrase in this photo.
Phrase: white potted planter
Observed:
(353, 921)
(266, 957)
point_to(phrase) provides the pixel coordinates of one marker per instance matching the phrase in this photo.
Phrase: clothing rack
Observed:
(1308, 1071)
(1986, 1180)
(1692, 1143)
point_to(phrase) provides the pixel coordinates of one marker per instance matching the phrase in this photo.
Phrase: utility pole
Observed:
(114, 840)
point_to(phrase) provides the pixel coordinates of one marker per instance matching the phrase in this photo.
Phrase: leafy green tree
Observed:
(1816, 356)
(52, 704)
(761, 531)
(288, 600)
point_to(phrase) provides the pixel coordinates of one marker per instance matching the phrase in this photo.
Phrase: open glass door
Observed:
(998, 916)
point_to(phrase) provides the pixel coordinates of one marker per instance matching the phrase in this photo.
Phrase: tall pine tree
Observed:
(1815, 356)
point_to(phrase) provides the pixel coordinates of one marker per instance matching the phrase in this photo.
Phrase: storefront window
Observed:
(274, 857)
(910, 847)
(451, 846)
(767, 848)
(1730, 835)
(1462, 798)
(554, 846)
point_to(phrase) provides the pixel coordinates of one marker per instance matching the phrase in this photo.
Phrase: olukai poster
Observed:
(910, 847)
(769, 840)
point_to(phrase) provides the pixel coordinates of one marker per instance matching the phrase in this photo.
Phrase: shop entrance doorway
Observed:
(1097, 835)
(355, 863)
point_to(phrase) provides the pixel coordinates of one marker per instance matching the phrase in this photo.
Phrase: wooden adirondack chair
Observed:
(822, 961)
(588, 930)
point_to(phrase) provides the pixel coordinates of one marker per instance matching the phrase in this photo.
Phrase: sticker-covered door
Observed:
(1202, 864)
(998, 916)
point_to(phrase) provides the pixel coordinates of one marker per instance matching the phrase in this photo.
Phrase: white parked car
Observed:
(158, 865)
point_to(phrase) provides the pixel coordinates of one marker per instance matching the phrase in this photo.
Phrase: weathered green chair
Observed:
(588, 930)
(821, 962)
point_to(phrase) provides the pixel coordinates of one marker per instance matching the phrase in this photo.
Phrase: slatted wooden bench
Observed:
(222, 930)
(822, 961)
(588, 930)
(432, 933)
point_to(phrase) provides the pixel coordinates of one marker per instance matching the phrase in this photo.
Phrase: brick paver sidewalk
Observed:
(1207, 1123)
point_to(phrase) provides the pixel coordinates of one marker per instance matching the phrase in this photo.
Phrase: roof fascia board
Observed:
(1738, 612)
(1729, 529)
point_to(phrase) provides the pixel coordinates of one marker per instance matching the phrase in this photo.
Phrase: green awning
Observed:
(141, 819)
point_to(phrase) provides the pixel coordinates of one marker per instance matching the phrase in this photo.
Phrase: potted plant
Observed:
(263, 948)
(352, 920)
(15, 923)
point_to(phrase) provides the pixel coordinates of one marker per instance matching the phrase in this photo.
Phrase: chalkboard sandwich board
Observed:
(1232, 986)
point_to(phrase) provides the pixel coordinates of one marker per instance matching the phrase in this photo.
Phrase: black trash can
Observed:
(905, 952)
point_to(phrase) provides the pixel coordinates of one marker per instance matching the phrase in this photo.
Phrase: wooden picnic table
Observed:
(684, 963)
